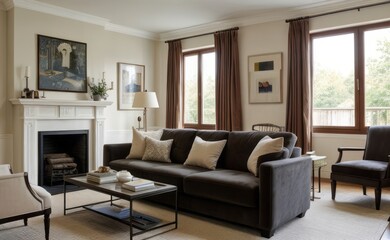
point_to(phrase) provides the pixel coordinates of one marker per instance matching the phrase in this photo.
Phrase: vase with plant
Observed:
(99, 90)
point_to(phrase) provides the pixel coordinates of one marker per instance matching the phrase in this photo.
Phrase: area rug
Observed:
(351, 216)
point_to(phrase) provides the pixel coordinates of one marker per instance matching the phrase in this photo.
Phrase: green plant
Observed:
(99, 89)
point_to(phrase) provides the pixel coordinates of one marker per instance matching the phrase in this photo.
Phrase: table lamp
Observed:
(145, 100)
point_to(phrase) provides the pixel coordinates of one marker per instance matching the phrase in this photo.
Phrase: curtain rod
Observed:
(203, 34)
(338, 11)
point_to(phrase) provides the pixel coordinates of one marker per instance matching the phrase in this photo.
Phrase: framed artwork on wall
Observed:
(131, 79)
(62, 65)
(265, 78)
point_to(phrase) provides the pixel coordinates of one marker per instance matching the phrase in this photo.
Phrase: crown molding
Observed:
(80, 16)
(265, 17)
(130, 31)
(261, 17)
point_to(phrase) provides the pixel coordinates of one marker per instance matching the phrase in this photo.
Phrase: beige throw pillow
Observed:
(156, 150)
(205, 154)
(265, 146)
(138, 145)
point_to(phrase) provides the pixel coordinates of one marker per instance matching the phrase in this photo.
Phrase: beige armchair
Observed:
(20, 200)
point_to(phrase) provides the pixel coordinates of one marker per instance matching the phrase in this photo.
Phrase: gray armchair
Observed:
(372, 170)
(20, 200)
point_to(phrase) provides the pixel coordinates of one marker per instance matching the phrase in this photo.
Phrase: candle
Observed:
(27, 72)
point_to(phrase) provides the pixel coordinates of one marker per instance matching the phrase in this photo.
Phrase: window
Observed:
(351, 78)
(199, 89)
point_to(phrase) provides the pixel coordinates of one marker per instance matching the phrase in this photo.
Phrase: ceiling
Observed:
(162, 18)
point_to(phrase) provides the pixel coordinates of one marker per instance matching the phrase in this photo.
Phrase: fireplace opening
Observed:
(61, 153)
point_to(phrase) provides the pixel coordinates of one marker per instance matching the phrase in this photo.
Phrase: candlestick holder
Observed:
(26, 89)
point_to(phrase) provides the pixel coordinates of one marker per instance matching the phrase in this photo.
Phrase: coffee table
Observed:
(115, 191)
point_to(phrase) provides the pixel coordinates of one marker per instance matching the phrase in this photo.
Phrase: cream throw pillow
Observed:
(156, 150)
(265, 146)
(138, 145)
(205, 154)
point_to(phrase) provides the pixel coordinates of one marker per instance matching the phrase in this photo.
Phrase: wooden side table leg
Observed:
(319, 179)
(312, 184)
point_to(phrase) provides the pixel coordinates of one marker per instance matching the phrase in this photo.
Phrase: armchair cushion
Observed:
(363, 168)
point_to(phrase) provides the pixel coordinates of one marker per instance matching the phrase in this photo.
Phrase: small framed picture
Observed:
(265, 78)
(62, 65)
(131, 79)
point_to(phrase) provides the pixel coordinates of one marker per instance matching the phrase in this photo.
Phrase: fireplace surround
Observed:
(32, 116)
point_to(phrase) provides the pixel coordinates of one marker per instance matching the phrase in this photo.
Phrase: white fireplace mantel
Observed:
(34, 115)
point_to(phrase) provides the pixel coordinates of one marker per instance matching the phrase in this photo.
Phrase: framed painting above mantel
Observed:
(265, 78)
(62, 65)
(131, 79)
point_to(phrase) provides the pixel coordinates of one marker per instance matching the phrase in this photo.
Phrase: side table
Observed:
(318, 163)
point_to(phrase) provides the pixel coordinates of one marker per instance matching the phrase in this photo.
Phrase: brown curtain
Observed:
(228, 93)
(175, 57)
(298, 119)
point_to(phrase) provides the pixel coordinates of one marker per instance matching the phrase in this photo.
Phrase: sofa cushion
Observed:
(136, 167)
(205, 153)
(213, 135)
(265, 146)
(156, 150)
(138, 144)
(235, 187)
(241, 144)
(182, 142)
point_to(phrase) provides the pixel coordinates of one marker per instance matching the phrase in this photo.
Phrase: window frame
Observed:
(200, 124)
(359, 91)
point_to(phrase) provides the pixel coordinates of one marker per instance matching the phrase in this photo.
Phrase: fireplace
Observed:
(73, 143)
(33, 118)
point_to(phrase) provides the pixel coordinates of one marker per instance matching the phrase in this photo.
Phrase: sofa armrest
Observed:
(284, 191)
(115, 151)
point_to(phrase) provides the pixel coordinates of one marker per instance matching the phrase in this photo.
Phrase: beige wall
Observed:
(5, 132)
(3, 83)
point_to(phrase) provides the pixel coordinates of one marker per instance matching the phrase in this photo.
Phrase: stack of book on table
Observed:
(106, 177)
(138, 185)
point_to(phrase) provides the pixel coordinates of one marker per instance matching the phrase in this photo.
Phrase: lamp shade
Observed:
(145, 100)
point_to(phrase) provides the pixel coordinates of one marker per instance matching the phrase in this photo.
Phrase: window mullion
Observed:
(359, 87)
(200, 104)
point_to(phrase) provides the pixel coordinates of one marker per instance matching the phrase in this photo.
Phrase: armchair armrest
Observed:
(342, 149)
(115, 151)
(17, 196)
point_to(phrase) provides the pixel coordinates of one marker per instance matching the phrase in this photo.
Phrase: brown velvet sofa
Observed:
(280, 194)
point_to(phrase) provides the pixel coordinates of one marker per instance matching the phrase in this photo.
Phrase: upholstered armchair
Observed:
(20, 200)
(372, 170)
